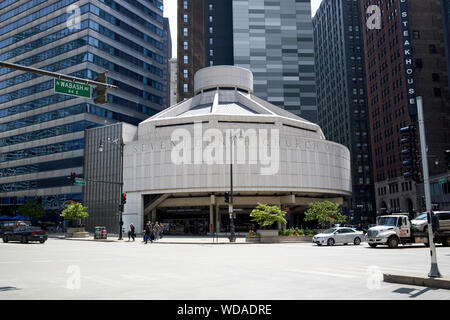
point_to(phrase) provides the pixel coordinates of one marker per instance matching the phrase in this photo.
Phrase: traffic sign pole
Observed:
(434, 271)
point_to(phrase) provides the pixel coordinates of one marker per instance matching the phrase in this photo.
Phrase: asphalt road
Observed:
(62, 269)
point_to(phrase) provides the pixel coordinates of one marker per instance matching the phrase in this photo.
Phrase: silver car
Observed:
(343, 235)
(420, 223)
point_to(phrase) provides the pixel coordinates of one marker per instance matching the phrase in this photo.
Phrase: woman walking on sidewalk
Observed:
(131, 232)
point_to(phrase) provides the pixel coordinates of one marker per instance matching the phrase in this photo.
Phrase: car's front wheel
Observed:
(357, 241)
(42, 241)
(330, 242)
(24, 239)
(5, 239)
(373, 245)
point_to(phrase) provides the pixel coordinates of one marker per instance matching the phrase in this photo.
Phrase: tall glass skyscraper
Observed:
(42, 133)
(274, 39)
(341, 95)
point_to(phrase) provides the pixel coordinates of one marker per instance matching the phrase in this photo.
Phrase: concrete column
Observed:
(217, 219)
(153, 215)
(211, 219)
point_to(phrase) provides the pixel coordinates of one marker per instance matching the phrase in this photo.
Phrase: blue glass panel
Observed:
(40, 28)
(48, 133)
(42, 150)
(18, 10)
(35, 15)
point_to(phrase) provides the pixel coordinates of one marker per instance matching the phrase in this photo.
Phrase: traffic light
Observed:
(72, 178)
(227, 197)
(447, 158)
(409, 154)
(123, 199)
(100, 91)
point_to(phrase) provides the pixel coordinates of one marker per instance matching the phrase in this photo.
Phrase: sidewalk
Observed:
(165, 240)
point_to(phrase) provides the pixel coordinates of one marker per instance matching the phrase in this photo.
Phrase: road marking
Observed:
(324, 273)
(8, 262)
(104, 281)
(41, 261)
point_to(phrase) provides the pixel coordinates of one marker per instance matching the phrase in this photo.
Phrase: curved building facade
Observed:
(179, 166)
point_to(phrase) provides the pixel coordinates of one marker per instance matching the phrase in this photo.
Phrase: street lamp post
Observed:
(434, 270)
(230, 205)
(101, 149)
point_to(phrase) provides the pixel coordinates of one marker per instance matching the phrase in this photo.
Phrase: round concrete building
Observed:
(177, 168)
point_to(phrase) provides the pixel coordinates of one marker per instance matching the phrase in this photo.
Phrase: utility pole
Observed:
(434, 271)
(230, 205)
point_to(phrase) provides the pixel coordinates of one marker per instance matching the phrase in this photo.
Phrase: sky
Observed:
(170, 11)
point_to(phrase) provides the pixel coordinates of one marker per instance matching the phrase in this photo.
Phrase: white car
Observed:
(420, 223)
(343, 235)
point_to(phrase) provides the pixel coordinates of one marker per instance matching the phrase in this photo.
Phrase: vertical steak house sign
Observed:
(407, 54)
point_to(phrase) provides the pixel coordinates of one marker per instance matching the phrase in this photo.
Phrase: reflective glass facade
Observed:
(41, 132)
(274, 39)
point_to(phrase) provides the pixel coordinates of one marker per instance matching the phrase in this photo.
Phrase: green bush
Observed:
(298, 232)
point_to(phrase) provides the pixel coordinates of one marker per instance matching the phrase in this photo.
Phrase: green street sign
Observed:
(442, 181)
(72, 88)
(80, 182)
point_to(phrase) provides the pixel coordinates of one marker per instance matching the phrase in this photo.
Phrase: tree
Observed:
(266, 215)
(32, 209)
(325, 212)
(75, 212)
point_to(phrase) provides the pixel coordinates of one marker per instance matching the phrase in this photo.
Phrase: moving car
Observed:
(25, 234)
(343, 235)
(420, 223)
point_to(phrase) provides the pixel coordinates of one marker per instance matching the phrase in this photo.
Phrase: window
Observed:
(185, 60)
(185, 32)
(432, 48)
(185, 18)
(210, 19)
(211, 63)
(185, 45)
(211, 30)
(211, 7)
(435, 77)
(437, 92)
(211, 41)
(419, 63)
(185, 4)
(185, 73)
(185, 88)
(211, 52)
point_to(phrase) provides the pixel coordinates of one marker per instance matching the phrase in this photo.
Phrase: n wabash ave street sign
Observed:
(72, 88)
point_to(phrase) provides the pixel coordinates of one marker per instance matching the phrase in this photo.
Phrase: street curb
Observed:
(439, 283)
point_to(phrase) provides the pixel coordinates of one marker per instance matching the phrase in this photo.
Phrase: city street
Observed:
(132, 270)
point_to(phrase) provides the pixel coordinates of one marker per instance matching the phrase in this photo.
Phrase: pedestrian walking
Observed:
(157, 230)
(148, 232)
(131, 232)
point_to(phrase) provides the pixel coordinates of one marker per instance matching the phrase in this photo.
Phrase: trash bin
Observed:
(100, 233)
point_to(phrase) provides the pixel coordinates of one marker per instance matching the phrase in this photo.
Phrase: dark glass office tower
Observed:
(273, 39)
(205, 38)
(341, 95)
(445, 4)
(42, 133)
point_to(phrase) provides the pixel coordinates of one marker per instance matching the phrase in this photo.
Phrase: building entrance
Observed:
(184, 221)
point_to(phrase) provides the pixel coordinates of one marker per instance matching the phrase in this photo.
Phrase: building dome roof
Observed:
(225, 92)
